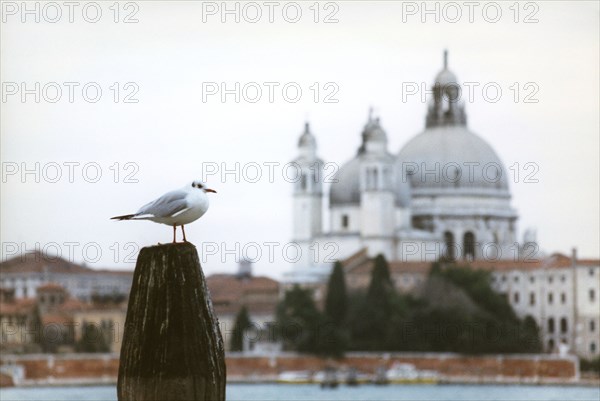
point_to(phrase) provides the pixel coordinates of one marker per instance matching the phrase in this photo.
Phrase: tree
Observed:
(299, 322)
(242, 323)
(336, 306)
(92, 339)
(370, 325)
(336, 303)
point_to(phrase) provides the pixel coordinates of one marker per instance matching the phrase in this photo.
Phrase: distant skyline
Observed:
(171, 61)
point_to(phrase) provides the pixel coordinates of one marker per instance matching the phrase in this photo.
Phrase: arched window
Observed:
(551, 325)
(450, 245)
(375, 178)
(564, 326)
(469, 245)
(550, 345)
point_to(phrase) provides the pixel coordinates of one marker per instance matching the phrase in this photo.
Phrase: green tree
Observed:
(336, 303)
(92, 339)
(242, 323)
(336, 306)
(299, 321)
(370, 324)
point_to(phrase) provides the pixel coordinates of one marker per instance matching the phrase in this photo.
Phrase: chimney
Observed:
(574, 256)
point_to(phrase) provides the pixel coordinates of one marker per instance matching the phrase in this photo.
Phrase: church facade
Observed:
(445, 193)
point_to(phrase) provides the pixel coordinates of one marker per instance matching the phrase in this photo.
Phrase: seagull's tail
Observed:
(124, 217)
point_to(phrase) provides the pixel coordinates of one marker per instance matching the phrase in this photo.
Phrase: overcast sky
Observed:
(171, 56)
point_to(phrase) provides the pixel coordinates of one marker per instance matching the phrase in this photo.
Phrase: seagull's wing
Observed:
(168, 205)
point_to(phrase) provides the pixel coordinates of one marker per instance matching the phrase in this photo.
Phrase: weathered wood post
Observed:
(172, 346)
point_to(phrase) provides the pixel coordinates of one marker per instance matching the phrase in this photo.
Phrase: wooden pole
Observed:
(172, 346)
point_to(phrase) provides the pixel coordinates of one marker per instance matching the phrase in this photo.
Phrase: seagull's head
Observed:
(200, 185)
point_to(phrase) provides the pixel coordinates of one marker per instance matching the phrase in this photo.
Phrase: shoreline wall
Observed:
(103, 368)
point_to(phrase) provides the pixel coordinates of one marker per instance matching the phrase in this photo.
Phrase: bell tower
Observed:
(308, 192)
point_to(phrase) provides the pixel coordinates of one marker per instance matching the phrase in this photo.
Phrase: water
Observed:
(264, 392)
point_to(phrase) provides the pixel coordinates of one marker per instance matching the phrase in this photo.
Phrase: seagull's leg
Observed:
(183, 231)
(174, 232)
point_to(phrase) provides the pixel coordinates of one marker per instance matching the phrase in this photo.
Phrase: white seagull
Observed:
(175, 208)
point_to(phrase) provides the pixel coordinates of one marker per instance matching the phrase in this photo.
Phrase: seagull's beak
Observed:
(210, 190)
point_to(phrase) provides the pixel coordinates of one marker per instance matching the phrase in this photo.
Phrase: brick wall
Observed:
(102, 366)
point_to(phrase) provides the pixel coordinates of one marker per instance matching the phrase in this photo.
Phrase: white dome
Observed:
(345, 189)
(453, 160)
(446, 77)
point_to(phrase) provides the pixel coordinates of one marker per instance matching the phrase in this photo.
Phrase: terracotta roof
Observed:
(18, 307)
(554, 261)
(229, 293)
(56, 318)
(50, 287)
(72, 305)
(38, 262)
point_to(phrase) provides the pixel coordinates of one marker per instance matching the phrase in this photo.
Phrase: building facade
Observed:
(559, 292)
(445, 193)
(25, 273)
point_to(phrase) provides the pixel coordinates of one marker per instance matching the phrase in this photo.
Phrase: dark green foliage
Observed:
(336, 307)
(299, 321)
(371, 318)
(590, 365)
(336, 303)
(477, 285)
(242, 323)
(457, 312)
(93, 339)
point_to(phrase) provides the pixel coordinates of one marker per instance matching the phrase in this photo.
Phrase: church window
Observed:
(563, 298)
(516, 297)
(593, 347)
(550, 298)
(550, 279)
(592, 295)
(564, 326)
(532, 298)
(469, 245)
(592, 326)
(532, 279)
(345, 221)
(551, 325)
(550, 345)
(591, 272)
(374, 184)
(449, 240)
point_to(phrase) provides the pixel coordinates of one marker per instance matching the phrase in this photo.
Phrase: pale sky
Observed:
(170, 54)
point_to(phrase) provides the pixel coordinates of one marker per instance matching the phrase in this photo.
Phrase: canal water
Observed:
(264, 392)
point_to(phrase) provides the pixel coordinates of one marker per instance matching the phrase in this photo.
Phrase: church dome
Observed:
(446, 77)
(345, 188)
(452, 158)
(346, 185)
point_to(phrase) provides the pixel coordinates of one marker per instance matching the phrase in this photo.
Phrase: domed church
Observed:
(445, 193)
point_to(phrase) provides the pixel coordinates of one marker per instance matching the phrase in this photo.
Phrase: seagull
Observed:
(175, 208)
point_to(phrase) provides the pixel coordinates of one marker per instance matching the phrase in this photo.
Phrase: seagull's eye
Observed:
(200, 186)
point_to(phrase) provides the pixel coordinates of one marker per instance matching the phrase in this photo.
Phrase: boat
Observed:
(406, 373)
(295, 377)
(327, 378)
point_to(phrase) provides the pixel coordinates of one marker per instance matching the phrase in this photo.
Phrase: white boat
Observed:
(406, 373)
(295, 377)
